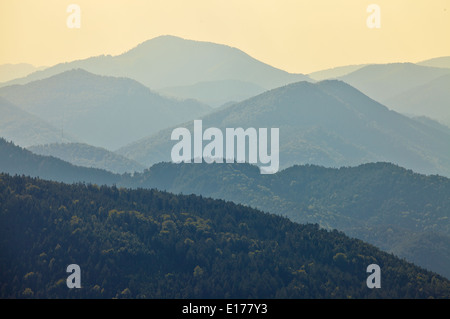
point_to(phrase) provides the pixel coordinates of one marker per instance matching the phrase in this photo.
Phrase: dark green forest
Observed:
(388, 206)
(151, 244)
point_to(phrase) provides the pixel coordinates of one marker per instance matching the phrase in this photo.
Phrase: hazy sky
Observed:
(294, 35)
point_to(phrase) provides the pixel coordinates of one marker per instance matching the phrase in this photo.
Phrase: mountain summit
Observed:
(169, 61)
(103, 111)
(328, 123)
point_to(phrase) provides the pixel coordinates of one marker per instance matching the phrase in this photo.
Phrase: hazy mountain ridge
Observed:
(10, 71)
(168, 61)
(20, 161)
(88, 156)
(185, 68)
(216, 93)
(380, 203)
(433, 123)
(406, 87)
(328, 123)
(383, 81)
(114, 103)
(431, 99)
(333, 73)
(439, 62)
(100, 110)
(26, 129)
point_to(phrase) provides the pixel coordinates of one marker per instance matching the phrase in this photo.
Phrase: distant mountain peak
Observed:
(101, 110)
(75, 72)
(329, 123)
(171, 43)
(172, 39)
(171, 61)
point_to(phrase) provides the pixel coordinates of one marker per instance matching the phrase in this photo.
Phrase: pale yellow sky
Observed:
(294, 35)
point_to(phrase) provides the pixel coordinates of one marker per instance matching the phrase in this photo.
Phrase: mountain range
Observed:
(9, 72)
(384, 81)
(85, 155)
(402, 212)
(439, 62)
(217, 74)
(431, 99)
(334, 73)
(413, 89)
(340, 71)
(328, 123)
(167, 61)
(16, 160)
(102, 111)
(152, 244)
(383, 204)
(364, 149)
(216, 93)
(26, 129)
(406, 87)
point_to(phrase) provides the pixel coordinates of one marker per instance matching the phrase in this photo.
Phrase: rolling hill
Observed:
(215, 93)
(9, 72)
(17, 160)
(151, 244)
(385, 205)
(440, 62)
(384, 81)
(380, 203)
(333, 73)
(102, 111)
(25, 129)
(88, 156)
(329, 123)
(431, 99)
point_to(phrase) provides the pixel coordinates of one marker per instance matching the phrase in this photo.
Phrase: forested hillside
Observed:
(393, 208)
(17, 160)
(151, 244)
(383, 204)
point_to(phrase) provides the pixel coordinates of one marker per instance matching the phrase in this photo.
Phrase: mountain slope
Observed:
(431, 99)
(384, 81)
(440, 62)
(102, 111)
(380, 203)
(168, 61)
(26, 129)
(216, 93)
(333, 73)
(88, 156)
(16, 160)
(149, 244)
(329, 123)
(433, 123)
(10, 72)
